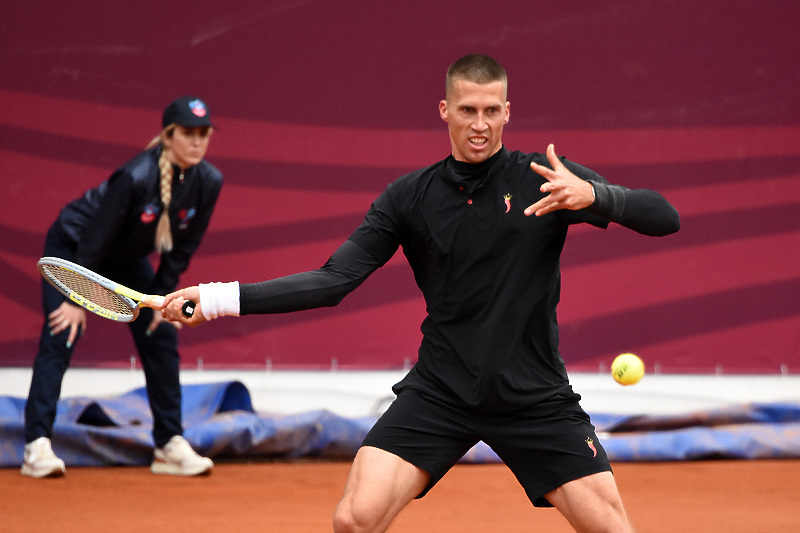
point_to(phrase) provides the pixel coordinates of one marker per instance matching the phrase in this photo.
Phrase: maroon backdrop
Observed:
(320, 105)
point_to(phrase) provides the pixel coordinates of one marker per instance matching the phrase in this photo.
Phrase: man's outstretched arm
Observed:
(641, 210)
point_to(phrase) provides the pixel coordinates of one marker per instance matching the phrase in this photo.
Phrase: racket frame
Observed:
(129, 297)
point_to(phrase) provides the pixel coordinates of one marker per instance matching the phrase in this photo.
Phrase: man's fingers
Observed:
(543, 171)
(154, 301)
(555, 162)
(546, 205)
(172, 311)
(539, 208)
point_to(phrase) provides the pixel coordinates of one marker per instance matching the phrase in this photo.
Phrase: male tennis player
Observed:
(483, 231)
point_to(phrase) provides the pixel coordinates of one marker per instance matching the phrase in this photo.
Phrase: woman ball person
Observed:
(160, 201)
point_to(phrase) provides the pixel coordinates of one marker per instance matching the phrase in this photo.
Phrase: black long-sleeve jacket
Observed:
(490, 275)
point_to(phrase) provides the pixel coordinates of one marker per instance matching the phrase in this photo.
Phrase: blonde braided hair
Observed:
(163, 241)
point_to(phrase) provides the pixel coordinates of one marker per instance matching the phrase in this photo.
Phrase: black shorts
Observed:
(545, 447)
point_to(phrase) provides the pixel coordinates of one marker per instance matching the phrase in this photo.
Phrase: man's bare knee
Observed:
(592, 504)
(343, 522)
(346, 520)
(379, 485)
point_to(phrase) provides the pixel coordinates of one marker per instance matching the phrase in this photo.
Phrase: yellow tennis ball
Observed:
(627, 369)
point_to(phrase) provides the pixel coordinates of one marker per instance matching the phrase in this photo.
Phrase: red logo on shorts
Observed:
(590, 444)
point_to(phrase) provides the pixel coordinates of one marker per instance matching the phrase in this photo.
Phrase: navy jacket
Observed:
(115, 223)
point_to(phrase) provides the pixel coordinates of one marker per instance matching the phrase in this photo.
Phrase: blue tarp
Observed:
(220, 422)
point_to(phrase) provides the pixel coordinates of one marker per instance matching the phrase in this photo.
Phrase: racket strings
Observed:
(88, 289)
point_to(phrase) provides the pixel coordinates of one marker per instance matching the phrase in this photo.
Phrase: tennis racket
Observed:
(97, 294)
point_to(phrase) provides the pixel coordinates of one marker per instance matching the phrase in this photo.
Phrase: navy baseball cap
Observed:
(187, 111)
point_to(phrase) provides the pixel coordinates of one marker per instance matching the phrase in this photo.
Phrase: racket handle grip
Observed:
(188, 308)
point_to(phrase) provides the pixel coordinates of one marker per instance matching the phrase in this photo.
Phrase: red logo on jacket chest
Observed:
(149, 213)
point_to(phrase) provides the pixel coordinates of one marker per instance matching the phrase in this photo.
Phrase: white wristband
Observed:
(219, 299)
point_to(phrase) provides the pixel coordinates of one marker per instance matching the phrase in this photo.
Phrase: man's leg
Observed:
(592, 504)
(379, 486)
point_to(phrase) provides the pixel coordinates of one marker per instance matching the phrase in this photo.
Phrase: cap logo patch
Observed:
(198, 108)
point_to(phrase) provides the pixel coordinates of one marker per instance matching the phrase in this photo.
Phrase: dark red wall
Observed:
(320, 105)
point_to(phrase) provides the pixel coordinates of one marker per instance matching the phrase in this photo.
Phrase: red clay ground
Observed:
(685, 497)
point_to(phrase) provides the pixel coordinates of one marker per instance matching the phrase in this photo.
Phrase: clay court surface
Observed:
(686, 497)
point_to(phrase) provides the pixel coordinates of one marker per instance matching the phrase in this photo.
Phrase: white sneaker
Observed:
(179, 459)
(40, 461)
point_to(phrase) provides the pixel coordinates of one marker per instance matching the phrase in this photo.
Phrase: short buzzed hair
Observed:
(477, 68)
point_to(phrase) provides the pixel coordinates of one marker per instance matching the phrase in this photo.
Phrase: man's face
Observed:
(475, 115)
